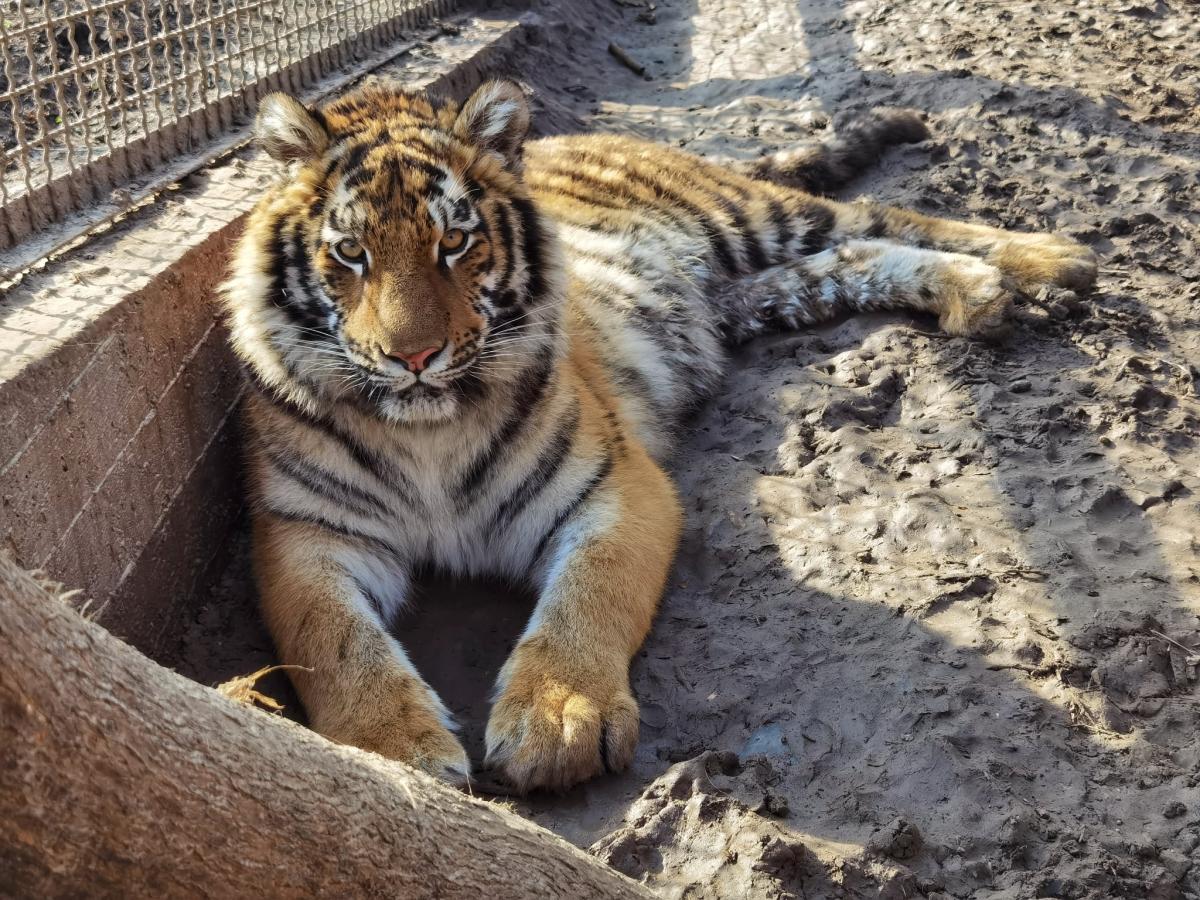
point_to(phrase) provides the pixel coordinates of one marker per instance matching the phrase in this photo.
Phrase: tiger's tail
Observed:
(824, 167)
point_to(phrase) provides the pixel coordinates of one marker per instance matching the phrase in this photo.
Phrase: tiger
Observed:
(473, 351)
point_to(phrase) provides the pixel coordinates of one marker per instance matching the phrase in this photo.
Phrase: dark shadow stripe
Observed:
(588, 489)
(324, 484)
(544, 470)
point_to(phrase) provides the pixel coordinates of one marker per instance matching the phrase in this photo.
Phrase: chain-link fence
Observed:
(94, 93)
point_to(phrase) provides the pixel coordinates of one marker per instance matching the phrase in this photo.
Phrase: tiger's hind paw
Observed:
(1030, 261)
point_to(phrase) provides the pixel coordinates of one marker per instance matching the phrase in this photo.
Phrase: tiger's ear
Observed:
(496, 118)
(289, 131)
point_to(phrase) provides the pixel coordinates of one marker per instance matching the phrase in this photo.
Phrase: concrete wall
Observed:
(118, 394)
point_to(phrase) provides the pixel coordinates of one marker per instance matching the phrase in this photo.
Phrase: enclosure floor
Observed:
(927, 585)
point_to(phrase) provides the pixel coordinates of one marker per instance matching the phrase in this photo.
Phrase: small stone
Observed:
(1175, 862)
(899, 840)
(1174, 809)
(776, 806)
(1021, 386)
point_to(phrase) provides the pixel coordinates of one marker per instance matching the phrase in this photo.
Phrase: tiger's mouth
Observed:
(407, 386)
(401, 383)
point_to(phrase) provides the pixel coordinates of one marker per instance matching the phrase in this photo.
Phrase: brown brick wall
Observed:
(121, 417)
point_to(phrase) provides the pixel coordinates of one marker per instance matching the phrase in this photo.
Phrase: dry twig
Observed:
(626, 60)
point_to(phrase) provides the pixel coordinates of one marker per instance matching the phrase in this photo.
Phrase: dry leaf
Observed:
(241, 689)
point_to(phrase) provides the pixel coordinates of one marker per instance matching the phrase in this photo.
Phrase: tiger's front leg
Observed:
(321, 597)
(564, 711)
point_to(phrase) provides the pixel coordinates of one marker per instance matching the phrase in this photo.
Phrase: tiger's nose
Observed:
(414, 362)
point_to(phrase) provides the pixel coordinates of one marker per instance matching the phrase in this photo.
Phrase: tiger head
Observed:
(401, 264)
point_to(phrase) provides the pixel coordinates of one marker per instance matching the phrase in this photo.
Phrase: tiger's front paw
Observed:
(560, 720)
(417, 737)
(1033, 260)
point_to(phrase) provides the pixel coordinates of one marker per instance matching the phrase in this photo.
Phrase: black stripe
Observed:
(432, 172)
(359, 177)
(660, 215)
(594, 482)
(634, 381)
(627, 265)
(527, 395)
(286, 250)
(878, 227)
(782, 222)
(365, 457)
(325, 484)
(716, 238)
(544, 470)
(736, 213)
(531, 244)
(820, 220)
(395, 174)
(352, 160)
(602, 197)
(288, 515)
(315, 311)
(504, 223)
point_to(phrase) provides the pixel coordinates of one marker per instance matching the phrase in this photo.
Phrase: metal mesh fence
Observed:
(94, 93)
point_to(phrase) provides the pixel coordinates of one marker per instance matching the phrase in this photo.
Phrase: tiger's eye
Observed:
(453, 240)
(350, 250)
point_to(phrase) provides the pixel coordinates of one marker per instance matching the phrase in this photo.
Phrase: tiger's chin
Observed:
(414, 403)
(419, 404)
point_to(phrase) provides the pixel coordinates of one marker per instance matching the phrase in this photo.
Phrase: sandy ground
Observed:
(929, 632)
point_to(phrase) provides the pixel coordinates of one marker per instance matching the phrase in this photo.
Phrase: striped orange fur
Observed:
(473, 352)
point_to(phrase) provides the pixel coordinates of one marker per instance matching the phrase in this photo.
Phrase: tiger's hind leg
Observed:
(1028, 260)
(967, 294)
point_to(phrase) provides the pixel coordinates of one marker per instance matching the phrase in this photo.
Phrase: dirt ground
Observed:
(935, 627)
